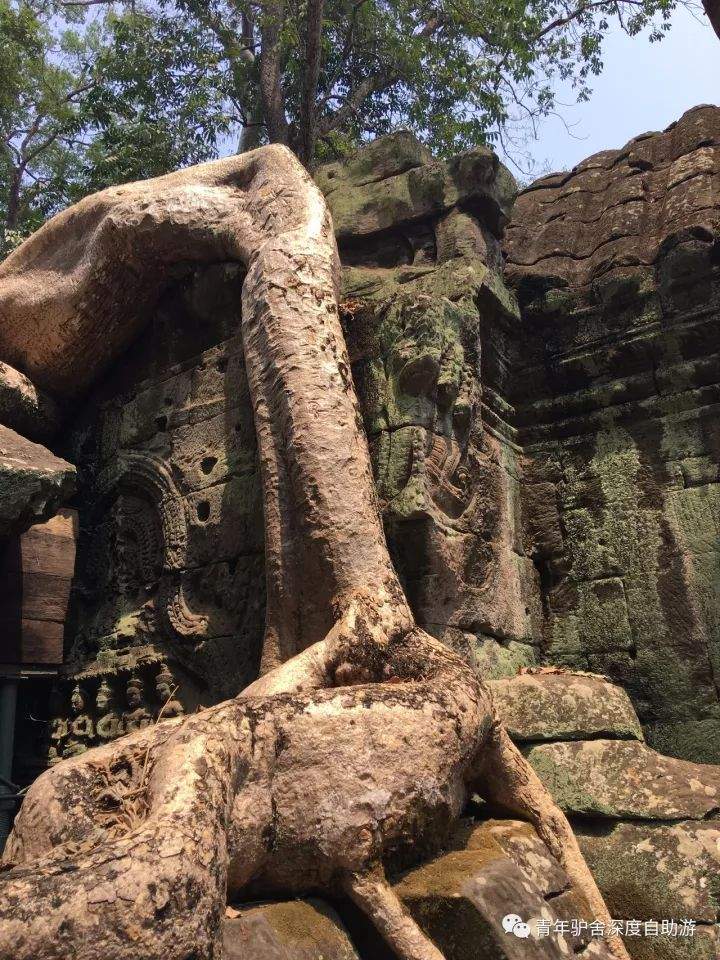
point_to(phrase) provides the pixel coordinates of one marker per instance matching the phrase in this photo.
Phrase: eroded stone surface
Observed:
(495, 868)
(651, 871)
(33, 482)
(614, 778)
(26, 409)
(412, 187)
(292, 930)
(615, 395)
(564, 706)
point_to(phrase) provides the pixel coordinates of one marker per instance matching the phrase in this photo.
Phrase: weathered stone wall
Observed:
(170, 562)
(432, 333)
(616, 393)
(548, 471)
(547, 465)
(170, 553)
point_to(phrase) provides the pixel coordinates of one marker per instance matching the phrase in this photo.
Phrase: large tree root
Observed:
(359, 746)
(272, 793)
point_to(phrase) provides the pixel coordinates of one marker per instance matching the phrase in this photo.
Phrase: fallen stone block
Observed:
(624, 779)
(564, 706)
(290, 930)
(496, 869)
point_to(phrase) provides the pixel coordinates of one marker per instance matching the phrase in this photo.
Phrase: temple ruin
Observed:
(538, 381)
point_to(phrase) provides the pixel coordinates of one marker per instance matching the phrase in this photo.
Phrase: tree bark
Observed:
(271, 91)
(311, 75)
(13, 199)
(129, 850)
(712, 9)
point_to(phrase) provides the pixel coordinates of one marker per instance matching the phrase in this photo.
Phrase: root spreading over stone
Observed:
(357, 749)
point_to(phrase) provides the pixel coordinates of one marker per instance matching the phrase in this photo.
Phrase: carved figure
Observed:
(109, 726)
(165, 686)
(82, 730)
(137, 716)
(58, 734)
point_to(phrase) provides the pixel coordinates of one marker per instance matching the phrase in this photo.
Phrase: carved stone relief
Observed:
(151, 541)
(91, 714)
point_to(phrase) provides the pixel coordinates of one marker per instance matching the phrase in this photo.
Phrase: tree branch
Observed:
(352, 104)
(576, 14)
(712, 9)
(311, 76)
(273, 100)
(347, 47)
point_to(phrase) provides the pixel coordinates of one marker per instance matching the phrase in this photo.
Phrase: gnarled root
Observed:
(311, 786)
(156, 891)
(507, 779)
(377, 900)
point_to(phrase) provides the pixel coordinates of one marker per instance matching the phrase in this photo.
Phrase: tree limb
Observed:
(311, 75)
(712, 9)
(352, 104)
(273, 99)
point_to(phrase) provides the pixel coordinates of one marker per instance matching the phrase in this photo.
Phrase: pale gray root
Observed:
(156, 892)
(239, 796)
(508, 780)
(380, 904)
(278, 788)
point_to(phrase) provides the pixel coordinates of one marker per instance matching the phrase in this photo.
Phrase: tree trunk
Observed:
(712, 9)
(271, 92)
(127, 851)
(311, 74)
(251, 134)
(13, 200)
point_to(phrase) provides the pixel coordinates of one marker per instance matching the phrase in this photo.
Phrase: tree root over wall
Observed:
(364, 737)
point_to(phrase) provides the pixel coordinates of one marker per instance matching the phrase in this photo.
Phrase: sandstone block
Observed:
(652, 871)
(497, 868)
(564, 706)
(614, 778)
(33, 482)
(291, 930)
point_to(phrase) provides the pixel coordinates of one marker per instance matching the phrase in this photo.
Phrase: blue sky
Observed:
(643, 87)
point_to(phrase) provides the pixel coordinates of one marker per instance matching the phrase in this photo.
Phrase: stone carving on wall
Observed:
(445, 463)
(81, 727)
(151, 543)
(166, 688)
(137, 715)
(422, 393)
(58, 729)
(109, 725)
(76, 725)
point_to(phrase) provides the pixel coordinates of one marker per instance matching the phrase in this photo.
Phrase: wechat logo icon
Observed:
(514, 924)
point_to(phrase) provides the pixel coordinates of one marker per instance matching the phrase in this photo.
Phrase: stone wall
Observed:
(544, 437)
(433, 333)
(170, 553)
(616, 394)
(542, 424)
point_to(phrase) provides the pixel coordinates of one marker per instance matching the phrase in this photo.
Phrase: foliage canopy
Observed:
(95, 92)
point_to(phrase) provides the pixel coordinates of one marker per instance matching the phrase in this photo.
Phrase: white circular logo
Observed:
(510, 921)
(521, 930)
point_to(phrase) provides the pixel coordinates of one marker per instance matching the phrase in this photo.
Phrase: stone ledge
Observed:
(625, 779)
(33, 482)
(564, 706)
